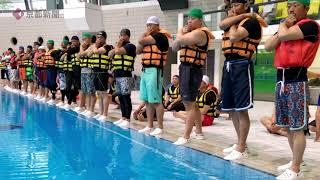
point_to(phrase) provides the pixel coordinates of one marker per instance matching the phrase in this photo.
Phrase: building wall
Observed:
(27, 30)
(115, 17)
(134, 16)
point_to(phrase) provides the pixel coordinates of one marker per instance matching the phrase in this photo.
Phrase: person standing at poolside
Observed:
(153, 45)
(27, 75)
(193, 42)
(73, 78)
(296, 44)
(35, 53)
(51, 74)
(40, 71)
(62, 69)
(101, 64)
(21, 68)
(173, 100)
(242, 35)
(87, 78)
(123, 65)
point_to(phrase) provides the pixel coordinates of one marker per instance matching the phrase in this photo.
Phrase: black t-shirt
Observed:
(32, 55)
(107, 48)
(56, 54)
(252, 25)
(310, 31)
(161, 41)
(130, 49)
(72, 50)
(210, 98)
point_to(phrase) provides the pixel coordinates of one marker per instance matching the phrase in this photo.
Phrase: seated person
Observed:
(269, 123)
(140, 113)
(112, 91)
(313, 126)
(207, 101)
(173, 101)
(115, 100)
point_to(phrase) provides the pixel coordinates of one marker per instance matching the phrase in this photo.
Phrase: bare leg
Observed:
(193, 117)
(42, 91)
(235, 121)
(160, 111)
(106, 102)
(150, 114)
(87, 101)
(92, 102)
(141, 117)
(101, 98)
(11, 85)
(16, 84)
(46, 93)
(244, 126)
(32, 87)
(299, 145)
(25, 86)
(117, 101)
(290, 139)
(181, 115)
(266, 122)
(198, 120)
(312, 128)
(82, 99)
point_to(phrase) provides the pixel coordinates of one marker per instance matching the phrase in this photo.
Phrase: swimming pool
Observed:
(55, 144)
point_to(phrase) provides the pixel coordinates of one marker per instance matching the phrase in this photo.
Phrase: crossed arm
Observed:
(144, 40)
(190, 38)
(228, 22)
(83, 52)
(284, 34)
(100, 50)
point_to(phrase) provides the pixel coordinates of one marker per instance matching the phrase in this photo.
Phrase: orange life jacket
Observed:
(245, 47)
(40, 62)
(193, 54)
(296, 53)
(152, 56)
(48, 59)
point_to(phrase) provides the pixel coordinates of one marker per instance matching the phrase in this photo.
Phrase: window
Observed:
(107, 2)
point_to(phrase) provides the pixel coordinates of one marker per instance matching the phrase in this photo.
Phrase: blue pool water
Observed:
(56, 144)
